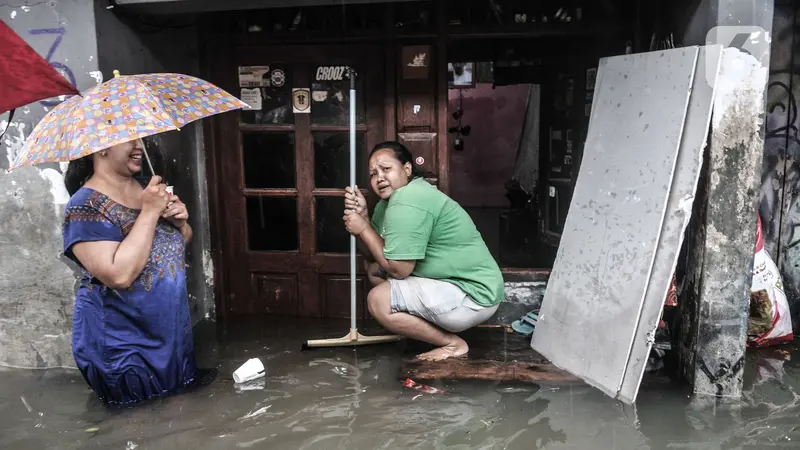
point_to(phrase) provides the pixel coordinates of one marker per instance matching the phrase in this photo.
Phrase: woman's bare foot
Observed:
(457, 347)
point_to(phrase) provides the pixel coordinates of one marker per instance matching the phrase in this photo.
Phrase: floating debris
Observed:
(257, 412)
(253, 385)
(92, 430)
(409, 383)
(251, 443)
(25, 402)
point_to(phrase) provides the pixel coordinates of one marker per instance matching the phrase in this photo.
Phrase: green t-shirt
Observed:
(421, 223)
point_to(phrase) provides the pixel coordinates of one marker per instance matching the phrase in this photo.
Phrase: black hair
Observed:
(80, 170)
(401, 153)
(78, 173)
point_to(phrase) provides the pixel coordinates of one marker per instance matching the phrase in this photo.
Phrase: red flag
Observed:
(25, 77)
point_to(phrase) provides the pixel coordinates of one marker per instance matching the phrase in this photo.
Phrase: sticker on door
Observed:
(301, 100)
(254, 76)
(252, 97)
(331, 73)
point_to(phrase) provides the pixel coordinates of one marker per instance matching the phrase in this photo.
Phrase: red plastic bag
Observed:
(770, 320)
(409, 383)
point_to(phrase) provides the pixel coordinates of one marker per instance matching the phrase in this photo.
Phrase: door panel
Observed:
(268, 160)
(272, 224)
(331, 236)
(274, 294)
(423, 146)
(336, 295)
(284, 176)
(416, 110)
(332, 159)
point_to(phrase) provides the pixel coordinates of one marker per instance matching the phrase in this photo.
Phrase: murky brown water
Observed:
(346, 399)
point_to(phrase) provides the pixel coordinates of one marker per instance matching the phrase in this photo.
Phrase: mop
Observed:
(353, 337)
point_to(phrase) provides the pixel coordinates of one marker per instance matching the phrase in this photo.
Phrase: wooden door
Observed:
(283, 174)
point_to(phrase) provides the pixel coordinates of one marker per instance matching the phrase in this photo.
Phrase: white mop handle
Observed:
(353, 187)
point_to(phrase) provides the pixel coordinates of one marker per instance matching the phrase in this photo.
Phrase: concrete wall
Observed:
(36, 286)
(524, 293)
(779, 207)
(780, 182)
(133, 45)
(479, 173)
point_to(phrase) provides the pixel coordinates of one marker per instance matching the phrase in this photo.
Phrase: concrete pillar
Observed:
(721, 238)
(38, 287)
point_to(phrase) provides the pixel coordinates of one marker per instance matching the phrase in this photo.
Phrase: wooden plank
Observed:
(211, 144)
(317, 54)
(231, 182)
(539, 30)
(271, 127)
(309, 298)
(469, 369)
(496, 353)
(269, 192)
(440, 63)
(390, 81)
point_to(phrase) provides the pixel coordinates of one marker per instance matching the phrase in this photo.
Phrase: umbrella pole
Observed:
(354, 337)
(149, 164)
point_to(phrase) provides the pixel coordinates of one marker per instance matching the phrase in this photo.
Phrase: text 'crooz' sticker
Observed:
(331, 73)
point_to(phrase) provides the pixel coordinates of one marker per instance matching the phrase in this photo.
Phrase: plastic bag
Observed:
(770, 321)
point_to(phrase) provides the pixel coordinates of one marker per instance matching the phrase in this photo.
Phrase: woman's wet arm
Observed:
(375, 244)
(364, 249)
(117, 265)
(186, 232)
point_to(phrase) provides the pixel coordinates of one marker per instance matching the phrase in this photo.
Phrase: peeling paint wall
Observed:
(133, 45)
(36, 286)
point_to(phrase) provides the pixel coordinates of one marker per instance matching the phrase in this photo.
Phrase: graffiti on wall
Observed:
(780, 189)
(58, 34)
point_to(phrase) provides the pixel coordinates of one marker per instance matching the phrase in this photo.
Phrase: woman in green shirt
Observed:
(432, 273)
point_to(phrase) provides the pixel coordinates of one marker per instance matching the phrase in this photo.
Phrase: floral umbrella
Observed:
(120, 110)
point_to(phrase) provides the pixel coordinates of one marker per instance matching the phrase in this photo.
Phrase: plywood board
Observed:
(595, 293)
(495, 354)
(679, 210)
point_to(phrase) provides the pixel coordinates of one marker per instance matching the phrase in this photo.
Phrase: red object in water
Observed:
(672, 294)
(409, 383)
(25, 77)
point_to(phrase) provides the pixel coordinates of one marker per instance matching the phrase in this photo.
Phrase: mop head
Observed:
(353, 338)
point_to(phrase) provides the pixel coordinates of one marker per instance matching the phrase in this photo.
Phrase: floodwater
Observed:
(352, 399)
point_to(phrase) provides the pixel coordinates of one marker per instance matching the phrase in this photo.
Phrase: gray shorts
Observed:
(439, 302)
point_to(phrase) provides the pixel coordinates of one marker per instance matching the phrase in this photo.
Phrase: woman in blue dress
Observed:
(131, 331)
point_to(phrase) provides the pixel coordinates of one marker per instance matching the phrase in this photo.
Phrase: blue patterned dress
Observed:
(134, 344)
